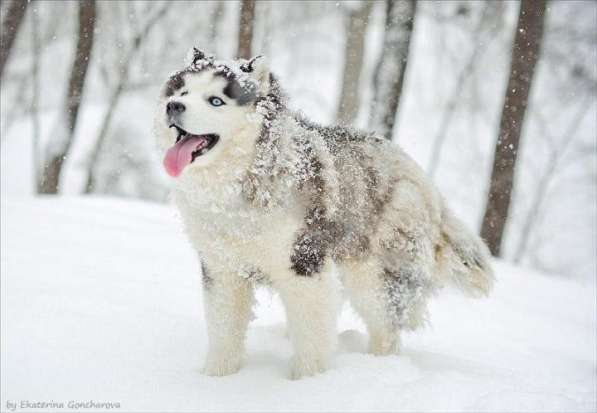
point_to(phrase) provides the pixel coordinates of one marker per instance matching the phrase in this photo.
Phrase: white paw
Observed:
(222, 365)
(307, 366)
(384, 346)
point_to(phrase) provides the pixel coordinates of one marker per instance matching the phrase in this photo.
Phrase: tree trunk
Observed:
(62, 139)
(350, 97)
(389, 74)
(525, 54)
(35, 120)
(245, 29)
(10, 27)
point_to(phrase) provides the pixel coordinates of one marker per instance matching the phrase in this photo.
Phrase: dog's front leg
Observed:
(227, 299)
(310, 304)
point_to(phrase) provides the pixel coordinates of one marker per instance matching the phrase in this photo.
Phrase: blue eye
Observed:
(215, 101)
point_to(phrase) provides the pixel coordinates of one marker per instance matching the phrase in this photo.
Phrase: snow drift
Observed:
(101, 301)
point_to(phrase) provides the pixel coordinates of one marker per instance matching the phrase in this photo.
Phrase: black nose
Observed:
(174, 108)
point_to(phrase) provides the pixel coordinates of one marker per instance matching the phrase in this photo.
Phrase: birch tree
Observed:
(525, 54)
(389, 74)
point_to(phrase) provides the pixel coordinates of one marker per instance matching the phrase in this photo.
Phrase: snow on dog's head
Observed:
(209, 110)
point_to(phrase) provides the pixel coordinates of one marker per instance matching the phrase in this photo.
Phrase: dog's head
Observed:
(209, 109)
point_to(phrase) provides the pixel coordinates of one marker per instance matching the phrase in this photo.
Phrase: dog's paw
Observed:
(384, 346)
(222, 366)
(307, 366)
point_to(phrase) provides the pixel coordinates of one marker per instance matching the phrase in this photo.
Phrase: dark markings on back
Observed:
(349, 149)
(336, 137)
(313, 242)
(325, 235)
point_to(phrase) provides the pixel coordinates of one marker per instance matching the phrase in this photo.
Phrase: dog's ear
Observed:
(258, 69)
(196, 55)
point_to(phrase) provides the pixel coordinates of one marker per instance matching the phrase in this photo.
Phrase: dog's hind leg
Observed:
(228, 299)
(388, 300)
(389, 289)
(368, 296)
(310, 303)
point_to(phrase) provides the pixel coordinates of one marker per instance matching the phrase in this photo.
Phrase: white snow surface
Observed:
(101, 300)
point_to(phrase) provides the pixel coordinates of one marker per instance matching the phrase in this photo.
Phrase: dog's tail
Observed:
(463, 257)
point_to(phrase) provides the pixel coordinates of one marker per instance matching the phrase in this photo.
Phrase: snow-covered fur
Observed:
(281, 201)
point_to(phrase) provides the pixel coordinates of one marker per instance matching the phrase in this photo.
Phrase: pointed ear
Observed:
(258, 69)
(198, 54)
(195, 55)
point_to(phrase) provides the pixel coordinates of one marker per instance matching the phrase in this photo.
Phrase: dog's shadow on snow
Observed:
(270, 349)
(353, 341)
(442, 363)
(269, 346)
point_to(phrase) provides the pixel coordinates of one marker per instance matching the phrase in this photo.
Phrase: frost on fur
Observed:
(279, 198)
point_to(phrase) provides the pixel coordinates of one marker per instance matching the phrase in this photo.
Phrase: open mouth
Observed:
(204, 143)
(187, 148)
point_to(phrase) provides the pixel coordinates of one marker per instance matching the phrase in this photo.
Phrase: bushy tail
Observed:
(463, 258)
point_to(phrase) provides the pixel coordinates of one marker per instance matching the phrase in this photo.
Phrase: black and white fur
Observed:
(280, 201)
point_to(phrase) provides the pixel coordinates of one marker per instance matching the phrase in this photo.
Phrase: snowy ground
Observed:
(101, 300)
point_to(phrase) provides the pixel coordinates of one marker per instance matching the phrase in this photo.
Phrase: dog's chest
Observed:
(242, 237)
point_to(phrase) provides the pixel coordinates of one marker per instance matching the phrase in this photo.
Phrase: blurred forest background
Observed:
(447, 80)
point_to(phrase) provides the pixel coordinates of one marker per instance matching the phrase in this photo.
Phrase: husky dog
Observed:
(268, 197)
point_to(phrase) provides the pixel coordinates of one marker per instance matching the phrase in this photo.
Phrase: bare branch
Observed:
(123, 79)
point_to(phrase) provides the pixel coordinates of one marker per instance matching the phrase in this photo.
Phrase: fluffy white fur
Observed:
(241, 243)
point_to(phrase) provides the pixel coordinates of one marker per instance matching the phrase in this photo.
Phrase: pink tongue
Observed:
(181, 154)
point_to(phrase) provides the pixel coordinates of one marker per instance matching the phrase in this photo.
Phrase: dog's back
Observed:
(371, 206)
